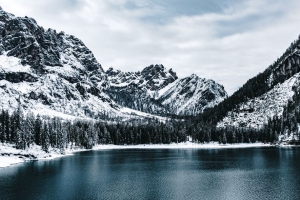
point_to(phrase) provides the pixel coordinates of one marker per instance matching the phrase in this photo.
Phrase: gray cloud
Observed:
(228, 41)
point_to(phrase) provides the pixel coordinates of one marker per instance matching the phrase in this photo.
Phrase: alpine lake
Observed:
(244, 173)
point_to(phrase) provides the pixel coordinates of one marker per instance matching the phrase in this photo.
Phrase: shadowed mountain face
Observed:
(56, 74)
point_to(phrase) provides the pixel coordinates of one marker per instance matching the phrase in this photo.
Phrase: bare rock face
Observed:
(152, 78)
(18, 77)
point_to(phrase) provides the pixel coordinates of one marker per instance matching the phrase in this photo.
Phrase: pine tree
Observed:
(37, 130)
(224, 139)
(45, 141)
(2, 127)
(29, 128)
(20, 138)
(7, 135)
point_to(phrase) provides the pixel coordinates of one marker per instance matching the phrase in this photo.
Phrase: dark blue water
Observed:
(256, 173)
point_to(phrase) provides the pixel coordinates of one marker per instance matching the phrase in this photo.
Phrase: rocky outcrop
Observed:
(17, 77)
(136, 89)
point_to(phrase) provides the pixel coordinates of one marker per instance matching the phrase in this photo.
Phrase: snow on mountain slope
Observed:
(50, 91)
(12, 64)
(52, 95)
(256, 112)
(191, 95)
(21, 37)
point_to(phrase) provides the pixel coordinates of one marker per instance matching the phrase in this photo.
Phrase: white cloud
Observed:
(230, 46)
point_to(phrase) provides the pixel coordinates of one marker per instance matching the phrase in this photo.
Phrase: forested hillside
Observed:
(280, 71)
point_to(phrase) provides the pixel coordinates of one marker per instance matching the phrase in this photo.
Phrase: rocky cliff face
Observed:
(152, 78)
(49, 71)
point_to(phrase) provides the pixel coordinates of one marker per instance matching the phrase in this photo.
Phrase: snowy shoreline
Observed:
(10, 156)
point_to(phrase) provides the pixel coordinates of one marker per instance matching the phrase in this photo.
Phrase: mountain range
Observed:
(55, 74)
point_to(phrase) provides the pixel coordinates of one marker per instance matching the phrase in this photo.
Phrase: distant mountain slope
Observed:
(256, 112)
(263, 96)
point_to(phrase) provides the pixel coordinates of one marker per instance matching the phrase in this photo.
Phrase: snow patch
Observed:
(12, 64)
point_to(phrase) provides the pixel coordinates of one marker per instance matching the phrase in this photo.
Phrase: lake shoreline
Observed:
(10, 156)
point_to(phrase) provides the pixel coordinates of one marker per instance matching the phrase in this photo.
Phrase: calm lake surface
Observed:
(254, 173)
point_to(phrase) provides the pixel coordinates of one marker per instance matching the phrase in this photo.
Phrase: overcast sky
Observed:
(228, 41)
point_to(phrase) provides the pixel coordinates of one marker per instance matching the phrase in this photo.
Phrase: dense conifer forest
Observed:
(26, 130)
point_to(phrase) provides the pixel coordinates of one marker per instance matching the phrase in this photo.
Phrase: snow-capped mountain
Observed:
(49, 72)
(56, 74)
(136, 89)
(158, 90)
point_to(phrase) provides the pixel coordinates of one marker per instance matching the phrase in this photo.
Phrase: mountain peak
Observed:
(158, 77)
(5, 16)
(111, 71)
(194, 76)
(154, 68)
